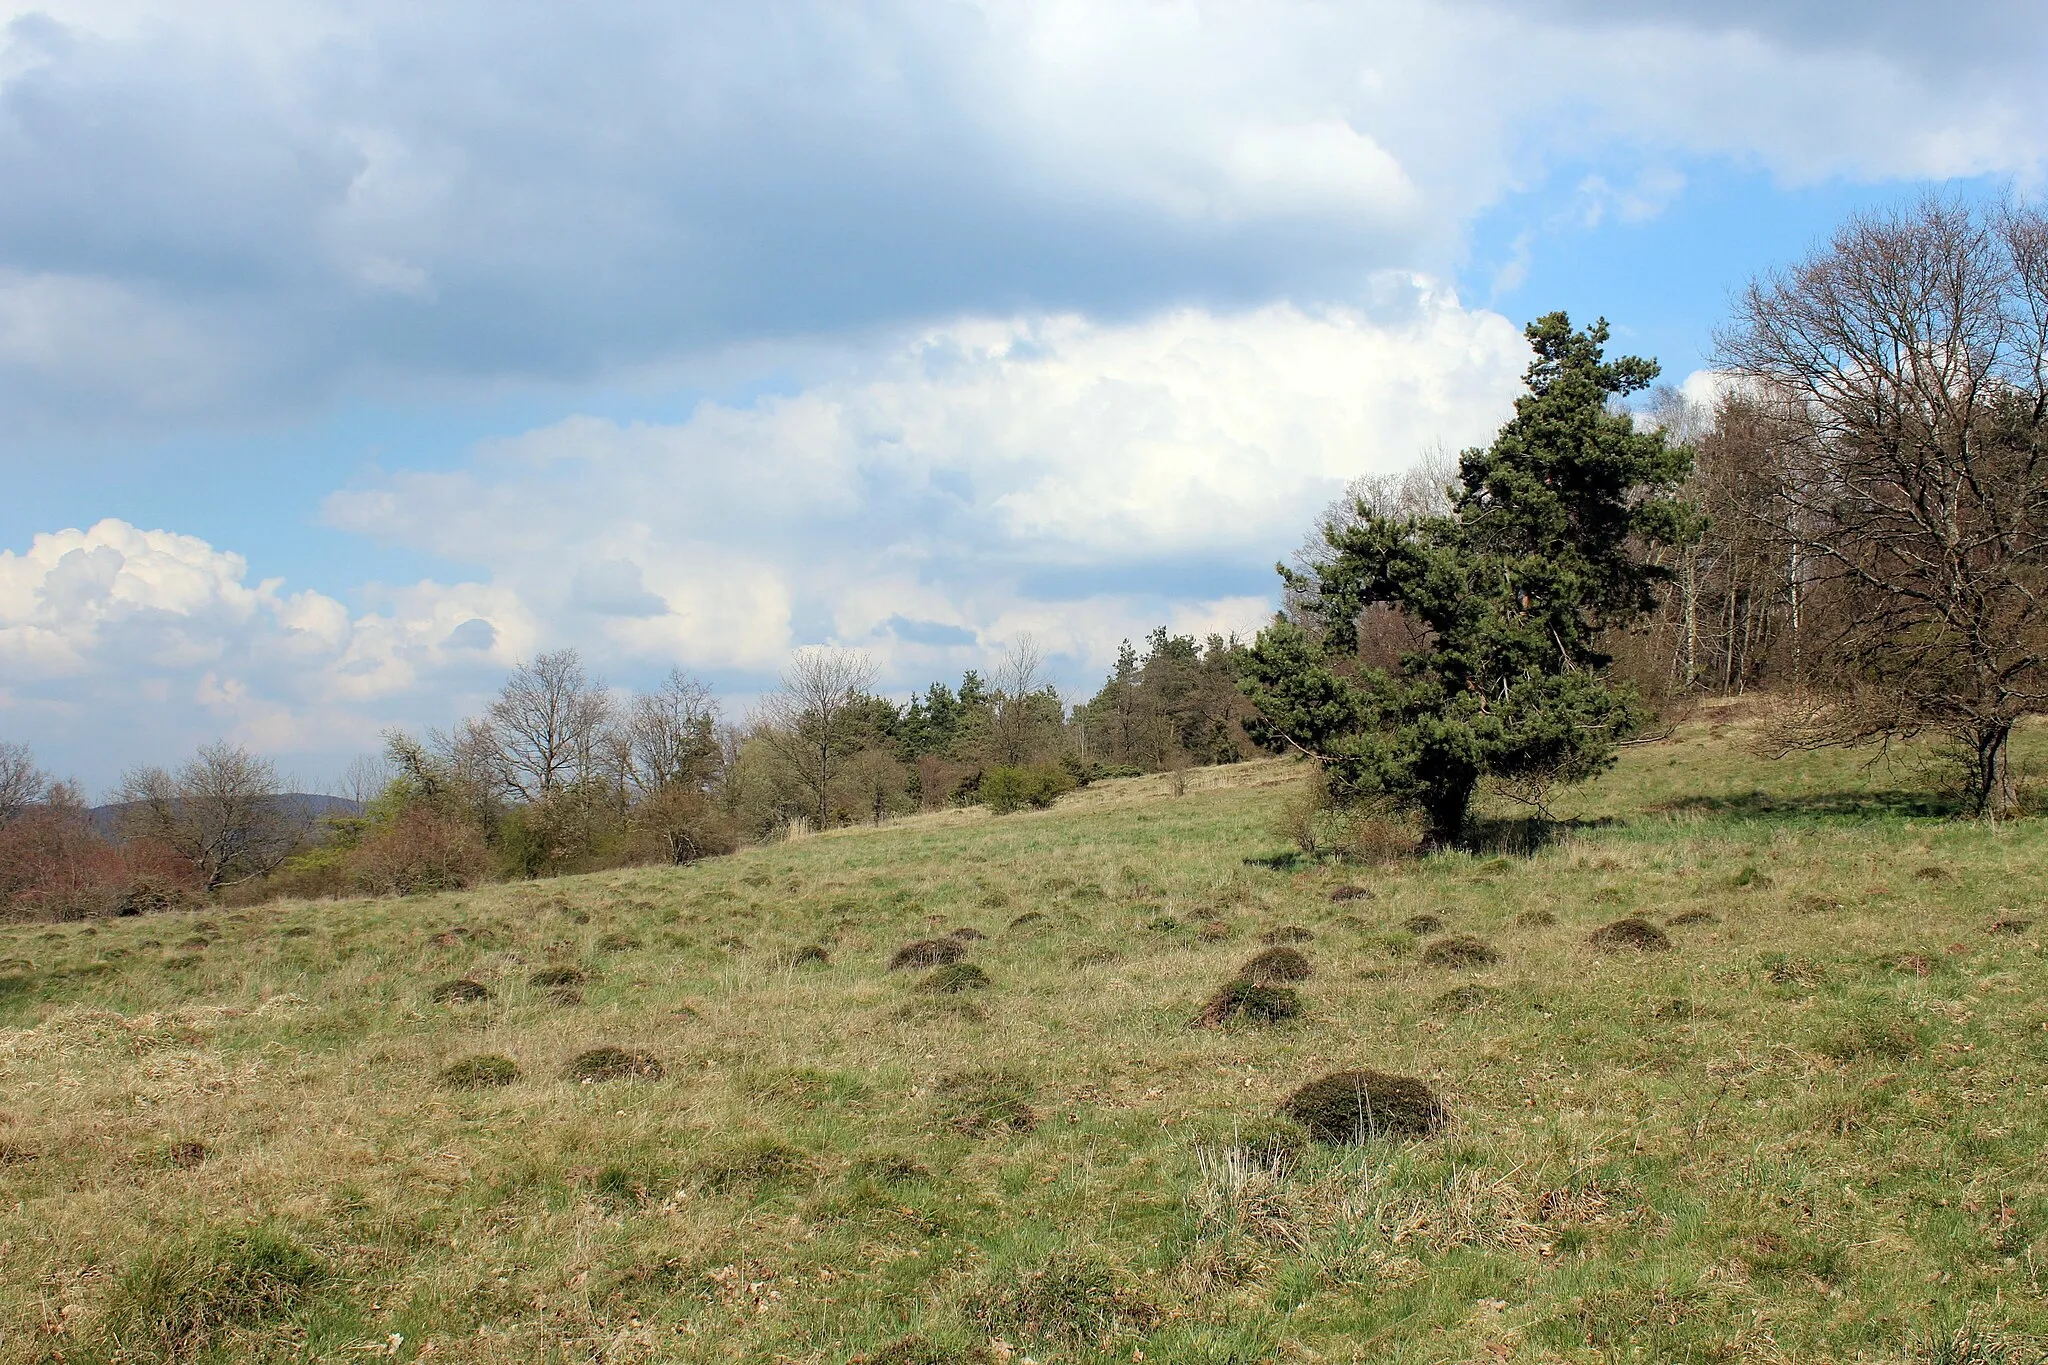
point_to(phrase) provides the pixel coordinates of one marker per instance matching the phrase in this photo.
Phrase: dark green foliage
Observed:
(1276, 965)
(1481, 653)
(613, 1064)
(929, 952)
(1351, 1106)
(952, 979)
(480, 1073)
(1632, 934)
(1180, 702)
(1243, 1002)
(987, 1103)
(461, 991)
(1459, 950)
(180, 1298)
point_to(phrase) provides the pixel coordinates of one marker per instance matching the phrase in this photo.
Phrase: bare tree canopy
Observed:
(1026, 710)
(22, 784)
(818, 720)
(671, 735)
(544, 727)
(1902, 371)
(221, 812)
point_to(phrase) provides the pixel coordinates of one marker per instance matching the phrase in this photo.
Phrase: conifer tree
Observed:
(1506, 598)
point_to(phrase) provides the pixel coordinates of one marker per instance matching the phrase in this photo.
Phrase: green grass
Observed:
(1810, 1131)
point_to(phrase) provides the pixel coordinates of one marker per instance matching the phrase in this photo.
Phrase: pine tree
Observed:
(1509, 595)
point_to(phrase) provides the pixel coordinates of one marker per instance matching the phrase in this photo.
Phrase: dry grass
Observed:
(1812, 1134)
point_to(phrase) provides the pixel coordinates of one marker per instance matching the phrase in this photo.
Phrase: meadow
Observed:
(694, 1113)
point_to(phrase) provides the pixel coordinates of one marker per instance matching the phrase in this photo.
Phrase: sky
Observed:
(351, 353)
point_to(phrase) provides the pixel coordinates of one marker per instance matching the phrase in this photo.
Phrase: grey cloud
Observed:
(475, 633)
(613, 587)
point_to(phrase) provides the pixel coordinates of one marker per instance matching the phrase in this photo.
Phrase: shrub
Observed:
(1351, 1106)
(480, 1073)
(1244, 1002)
(1276, 965)
(419, 850)
(1005, 789)
(178, 1299)
(677, 825)
(54, 865)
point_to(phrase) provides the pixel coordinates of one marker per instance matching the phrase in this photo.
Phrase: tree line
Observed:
(560, 773)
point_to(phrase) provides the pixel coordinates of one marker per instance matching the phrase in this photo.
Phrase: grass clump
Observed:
(1424, 923)
(1687, 918)
(613, 1064)
(1246, 1002)
(927, 952)
(1074, 1299)
(987, 1103)
(810, 955)
(1352, 1106)
(181, 1298)
(1535, 919)
(481, 1072)
(967, 933)
(752, 1165)
(2011, 924)
(1287, 933)
(952, 979)
(1276, 966)
(188, 1154)
(1351, 893)
(558, 978)
(459, 992)
(1459, 951)
(1633, 934)
(1027, 919)
(1462, 1000)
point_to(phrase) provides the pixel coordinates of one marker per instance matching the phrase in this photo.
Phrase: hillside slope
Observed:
(1810, 1130)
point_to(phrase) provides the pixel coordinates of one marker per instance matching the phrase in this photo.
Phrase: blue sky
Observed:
(349, 353)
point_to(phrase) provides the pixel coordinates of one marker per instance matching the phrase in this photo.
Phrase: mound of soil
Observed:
(1027, 918)
(1351, 893)
(2011, 925)
(1214, 931)
(927, 952)
(1536, 919)
(1275, 966)
(986, 1103)
(1287, 933)
(613, 1064)
(1687, 917)
(480, 1073)
(952, 979)
(1423, 924)
(461, 991)
(1351, 1106)
(1633, 934)
(556, 978)
(810, 955)
(967, 933)
(1243, 1002)
(1459, 951)
(1462, 1000)
(1931, 873)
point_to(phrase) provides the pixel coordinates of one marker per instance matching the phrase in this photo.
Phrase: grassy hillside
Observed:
(1811, 1130)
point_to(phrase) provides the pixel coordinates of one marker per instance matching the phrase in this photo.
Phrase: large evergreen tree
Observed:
(1502, 603)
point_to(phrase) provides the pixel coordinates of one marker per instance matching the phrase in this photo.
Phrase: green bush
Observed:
(1005, 788)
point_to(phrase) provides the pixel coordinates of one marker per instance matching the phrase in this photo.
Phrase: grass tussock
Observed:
(1247, 1002)
(1276, 966)
(181, 1298)
(952, 979)
(1357, 1106)
(929, 952)
(1459, 952)
(987, 1103)
(485, 1072)
(1631, 935)
(459, 992)
(613, 1064)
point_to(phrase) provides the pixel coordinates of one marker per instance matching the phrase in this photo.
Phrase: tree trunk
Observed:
(1990, 781)
(1448, 805)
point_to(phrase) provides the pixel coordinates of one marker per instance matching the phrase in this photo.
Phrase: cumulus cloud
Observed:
(1077, 479)
(124, 644)
(225, 208)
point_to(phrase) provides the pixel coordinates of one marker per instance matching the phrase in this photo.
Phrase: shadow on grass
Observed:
(1525, 837)
(1854, 805)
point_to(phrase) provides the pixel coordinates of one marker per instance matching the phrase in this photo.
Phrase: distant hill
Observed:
(107, 819)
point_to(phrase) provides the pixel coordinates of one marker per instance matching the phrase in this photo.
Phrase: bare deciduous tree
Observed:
(22, 784)
(222, 812)
(545, 725)
(1905, 367)
(816, 722)
(1023, 708)
(671, 736)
